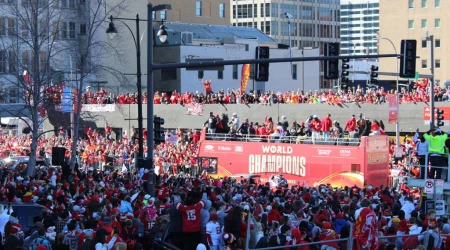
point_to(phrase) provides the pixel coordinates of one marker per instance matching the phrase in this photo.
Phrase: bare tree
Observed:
(43, 33)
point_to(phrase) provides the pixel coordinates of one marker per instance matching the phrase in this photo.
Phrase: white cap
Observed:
(147, 196)
(122, 189)
(152, 199)
(19, 178)
(246, 207)
(146, 170)
(234, 114)
(268, 208)
(76, 208)
(107, 172)
(50, 198)
(102, 184)
(95, 215)
(314, 116)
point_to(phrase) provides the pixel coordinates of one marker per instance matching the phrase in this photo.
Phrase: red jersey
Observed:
(191, 216)
(207, 85)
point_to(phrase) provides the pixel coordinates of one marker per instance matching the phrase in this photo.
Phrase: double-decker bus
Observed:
(339, 162)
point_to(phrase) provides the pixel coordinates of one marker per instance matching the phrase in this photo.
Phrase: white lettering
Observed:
(295, 165)
(286, 150)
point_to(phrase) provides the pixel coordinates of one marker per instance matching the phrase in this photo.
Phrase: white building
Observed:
(188, 42)
(359, 27)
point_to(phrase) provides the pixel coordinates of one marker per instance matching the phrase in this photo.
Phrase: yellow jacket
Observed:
(436, 143)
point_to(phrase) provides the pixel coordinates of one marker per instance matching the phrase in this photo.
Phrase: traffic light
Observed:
(408, 59)
(439, 117)
(345, 73)
(331, 67)
(158, 131)
(373, 74)
(262, 69)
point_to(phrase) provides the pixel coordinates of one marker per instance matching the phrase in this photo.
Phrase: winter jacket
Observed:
(339, 224)
(125, 207)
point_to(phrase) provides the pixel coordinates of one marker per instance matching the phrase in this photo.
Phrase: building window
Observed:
(162, 15)
(198, 8)
(424, 23)
(411, 4)
(437, 43)
(82, 29)
(294, 71)
(72, 30)
(235, 72)
(25, 59)
(43, 28)
(424, 3)
(437, 64)
(200, 74)
(24, 28)
(410, 24)
(12, 62)
(220, 74)
(424, 64)
(63, 30)
(437, 23)
(2, 61)
(2, 26)
(221, 10)
(55, 30)
(63, 3)
(43, 61)
(13, 95)
(11, 27)
(424, 43)
(437, 3)
(72, 4)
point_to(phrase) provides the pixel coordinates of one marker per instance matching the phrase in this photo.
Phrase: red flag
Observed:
(245, 76)
(26, 77)
(393, 109)
(366, 230)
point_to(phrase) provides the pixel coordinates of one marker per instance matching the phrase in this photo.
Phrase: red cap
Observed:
(214, 217)
(340, 216)
(41, 247)
(327, 225)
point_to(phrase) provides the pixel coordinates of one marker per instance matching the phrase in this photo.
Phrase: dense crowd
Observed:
(103, 204)
(419, 93)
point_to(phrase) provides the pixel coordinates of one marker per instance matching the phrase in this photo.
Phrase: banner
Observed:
(427, 115)
(98, 108)
(194, 109)
(66, 100)
(75, 100)
(245, 76)
(303, 163)
(393, 109)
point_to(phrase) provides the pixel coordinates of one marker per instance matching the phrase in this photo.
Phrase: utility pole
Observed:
(431, 39)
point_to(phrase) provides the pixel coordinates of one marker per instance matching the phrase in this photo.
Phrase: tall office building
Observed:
(312, 22)
(195, 11)
(359, 27)
(412, 19)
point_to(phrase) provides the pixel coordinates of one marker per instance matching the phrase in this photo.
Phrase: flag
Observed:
(26, 77)
(366, 230)
(245, 76)
(393, 109)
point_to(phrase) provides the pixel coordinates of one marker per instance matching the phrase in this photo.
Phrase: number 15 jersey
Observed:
(191, 216)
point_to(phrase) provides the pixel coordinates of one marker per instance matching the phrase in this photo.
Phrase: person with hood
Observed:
(274, 214)
(205, 216)
(329, 234)
(340, 222)
(125, 206)
(350, 127)
(411, 242)
(298, 237)
(408, 207)
(327, 124)
(445, 230)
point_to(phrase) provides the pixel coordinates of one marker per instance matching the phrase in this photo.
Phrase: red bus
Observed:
(346, 162)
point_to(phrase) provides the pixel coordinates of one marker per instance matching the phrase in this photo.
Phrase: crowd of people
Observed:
(356, 94)
(103, 204)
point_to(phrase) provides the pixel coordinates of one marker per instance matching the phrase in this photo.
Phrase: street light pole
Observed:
(431, 39)
(397, 97)
(150, 137)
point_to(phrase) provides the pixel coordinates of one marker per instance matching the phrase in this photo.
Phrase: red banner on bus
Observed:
(299, 163)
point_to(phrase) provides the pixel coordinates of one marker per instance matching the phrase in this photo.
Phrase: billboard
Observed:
(317, 164)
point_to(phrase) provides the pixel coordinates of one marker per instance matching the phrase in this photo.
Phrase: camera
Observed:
(288, 15)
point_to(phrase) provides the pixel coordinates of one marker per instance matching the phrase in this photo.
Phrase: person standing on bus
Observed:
(436, 148)
(316, 127)
(326, 126)
(350, 127)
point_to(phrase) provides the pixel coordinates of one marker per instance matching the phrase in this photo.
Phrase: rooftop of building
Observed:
(218, 32)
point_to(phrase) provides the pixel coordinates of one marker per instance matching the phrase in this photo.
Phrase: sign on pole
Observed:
(429, 187)
(439, 186)
(439, 206)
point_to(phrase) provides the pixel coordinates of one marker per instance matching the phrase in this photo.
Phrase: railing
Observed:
(427, 165)
(284, 139)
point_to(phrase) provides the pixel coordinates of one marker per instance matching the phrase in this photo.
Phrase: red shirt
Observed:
(207, 86)
(191, 216)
